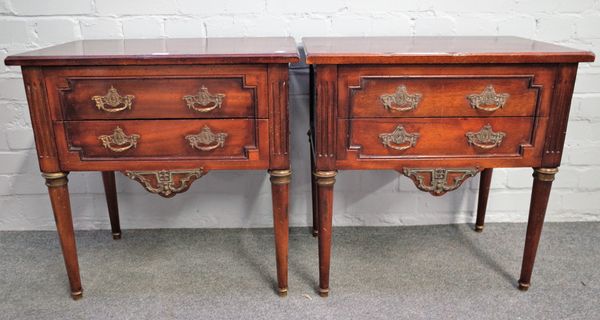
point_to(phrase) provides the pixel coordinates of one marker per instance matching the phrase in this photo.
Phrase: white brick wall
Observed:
(242, 199)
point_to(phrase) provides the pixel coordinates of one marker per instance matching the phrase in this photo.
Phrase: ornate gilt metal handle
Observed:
(113, 102)
(399, 139)
(401, 98)
(206, 140)
(485, 138)
(119, 141)
(205, 100)
(488, 100)
(438, 181)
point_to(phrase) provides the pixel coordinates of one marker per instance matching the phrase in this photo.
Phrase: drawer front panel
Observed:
(160, 139)
(146, 98)
(435, 137)
(465, 96)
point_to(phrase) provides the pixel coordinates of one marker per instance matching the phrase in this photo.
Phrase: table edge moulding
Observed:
(438, 110)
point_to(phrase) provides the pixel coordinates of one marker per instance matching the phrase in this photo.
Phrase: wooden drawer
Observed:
(433, 96)
(437, 137)
(158, 139)
(146, 98)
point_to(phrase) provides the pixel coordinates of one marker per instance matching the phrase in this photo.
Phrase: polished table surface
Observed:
(163, 51)
(436, 49)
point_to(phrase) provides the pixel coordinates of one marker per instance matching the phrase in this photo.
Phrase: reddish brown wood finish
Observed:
(250, 73)
(349, 75)
(61, 206)
(540, 193)
(158, 139)
(437, 50)
(484, 190)
(443, 96)
(162, 52)
(439, 137)
(158, 98)
(110, 190)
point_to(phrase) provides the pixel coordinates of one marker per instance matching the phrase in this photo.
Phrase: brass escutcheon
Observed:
(113, 100)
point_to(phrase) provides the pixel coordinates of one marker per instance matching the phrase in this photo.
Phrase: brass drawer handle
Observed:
(119, 141)
(206, 140)
(112, 101)
(438, 181)
(488, 100)
(399, 139)
(485, 138)
(207, 101)
(401, 98)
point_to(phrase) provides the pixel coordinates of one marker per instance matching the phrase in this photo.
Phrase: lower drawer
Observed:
(439, 137)
(158, 139)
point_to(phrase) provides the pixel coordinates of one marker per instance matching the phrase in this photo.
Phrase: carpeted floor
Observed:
(433, 272)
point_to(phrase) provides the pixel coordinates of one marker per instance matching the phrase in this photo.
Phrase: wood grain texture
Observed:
(110, 192)
(430, 137)
(163, 51)
(412, 50)
(148, 132)
(482, 197)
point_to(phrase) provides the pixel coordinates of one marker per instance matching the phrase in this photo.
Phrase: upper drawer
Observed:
(443, 97)
(157, 93)
(445, 90)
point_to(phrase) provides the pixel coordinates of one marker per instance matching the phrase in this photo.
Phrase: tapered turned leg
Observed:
(484, 191)
(110, 190)
(542, 185)
(280, 180)
(61, 206)
(315, 196)
(325, 182)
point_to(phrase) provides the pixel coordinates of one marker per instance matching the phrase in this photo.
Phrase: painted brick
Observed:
(586, 108)
(5, 185)
(51, 31)
(145, 27)
(4, 7)
(391, 25)
(582, 201)
(12, 89)
(264, 26)
(588, 83)
(308, 26)
(222, 26)
(432, 26)
(589, 179)
(350, 25)
(588, 26)
(20, 138)
(583, 155)
(18, 162)
(135, 7)
(223, 7)
(12, 31)
(522, 26)
(476, 25)
(555, 27)
(101, 28)
(46, 8)
(184, 28)
(312, 6)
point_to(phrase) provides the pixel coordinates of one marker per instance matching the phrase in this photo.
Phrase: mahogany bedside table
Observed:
(439, 110)
(164, 112)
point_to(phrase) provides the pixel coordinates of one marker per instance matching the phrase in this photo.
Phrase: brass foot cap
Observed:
(523, 286)
(282, 292)
(116, 236)
(315, 233)
(324, 292)
(77, 295)
(478, 228)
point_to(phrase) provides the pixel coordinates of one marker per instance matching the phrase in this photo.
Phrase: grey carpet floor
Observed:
(425, 272)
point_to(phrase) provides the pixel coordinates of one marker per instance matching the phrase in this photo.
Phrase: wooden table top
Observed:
(365, 50)
(163, 51)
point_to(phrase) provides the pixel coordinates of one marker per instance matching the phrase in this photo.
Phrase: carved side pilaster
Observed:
(325, 117)
(278, 115)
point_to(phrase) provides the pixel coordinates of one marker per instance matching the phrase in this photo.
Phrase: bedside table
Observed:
(164, 112)
(438, 110)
